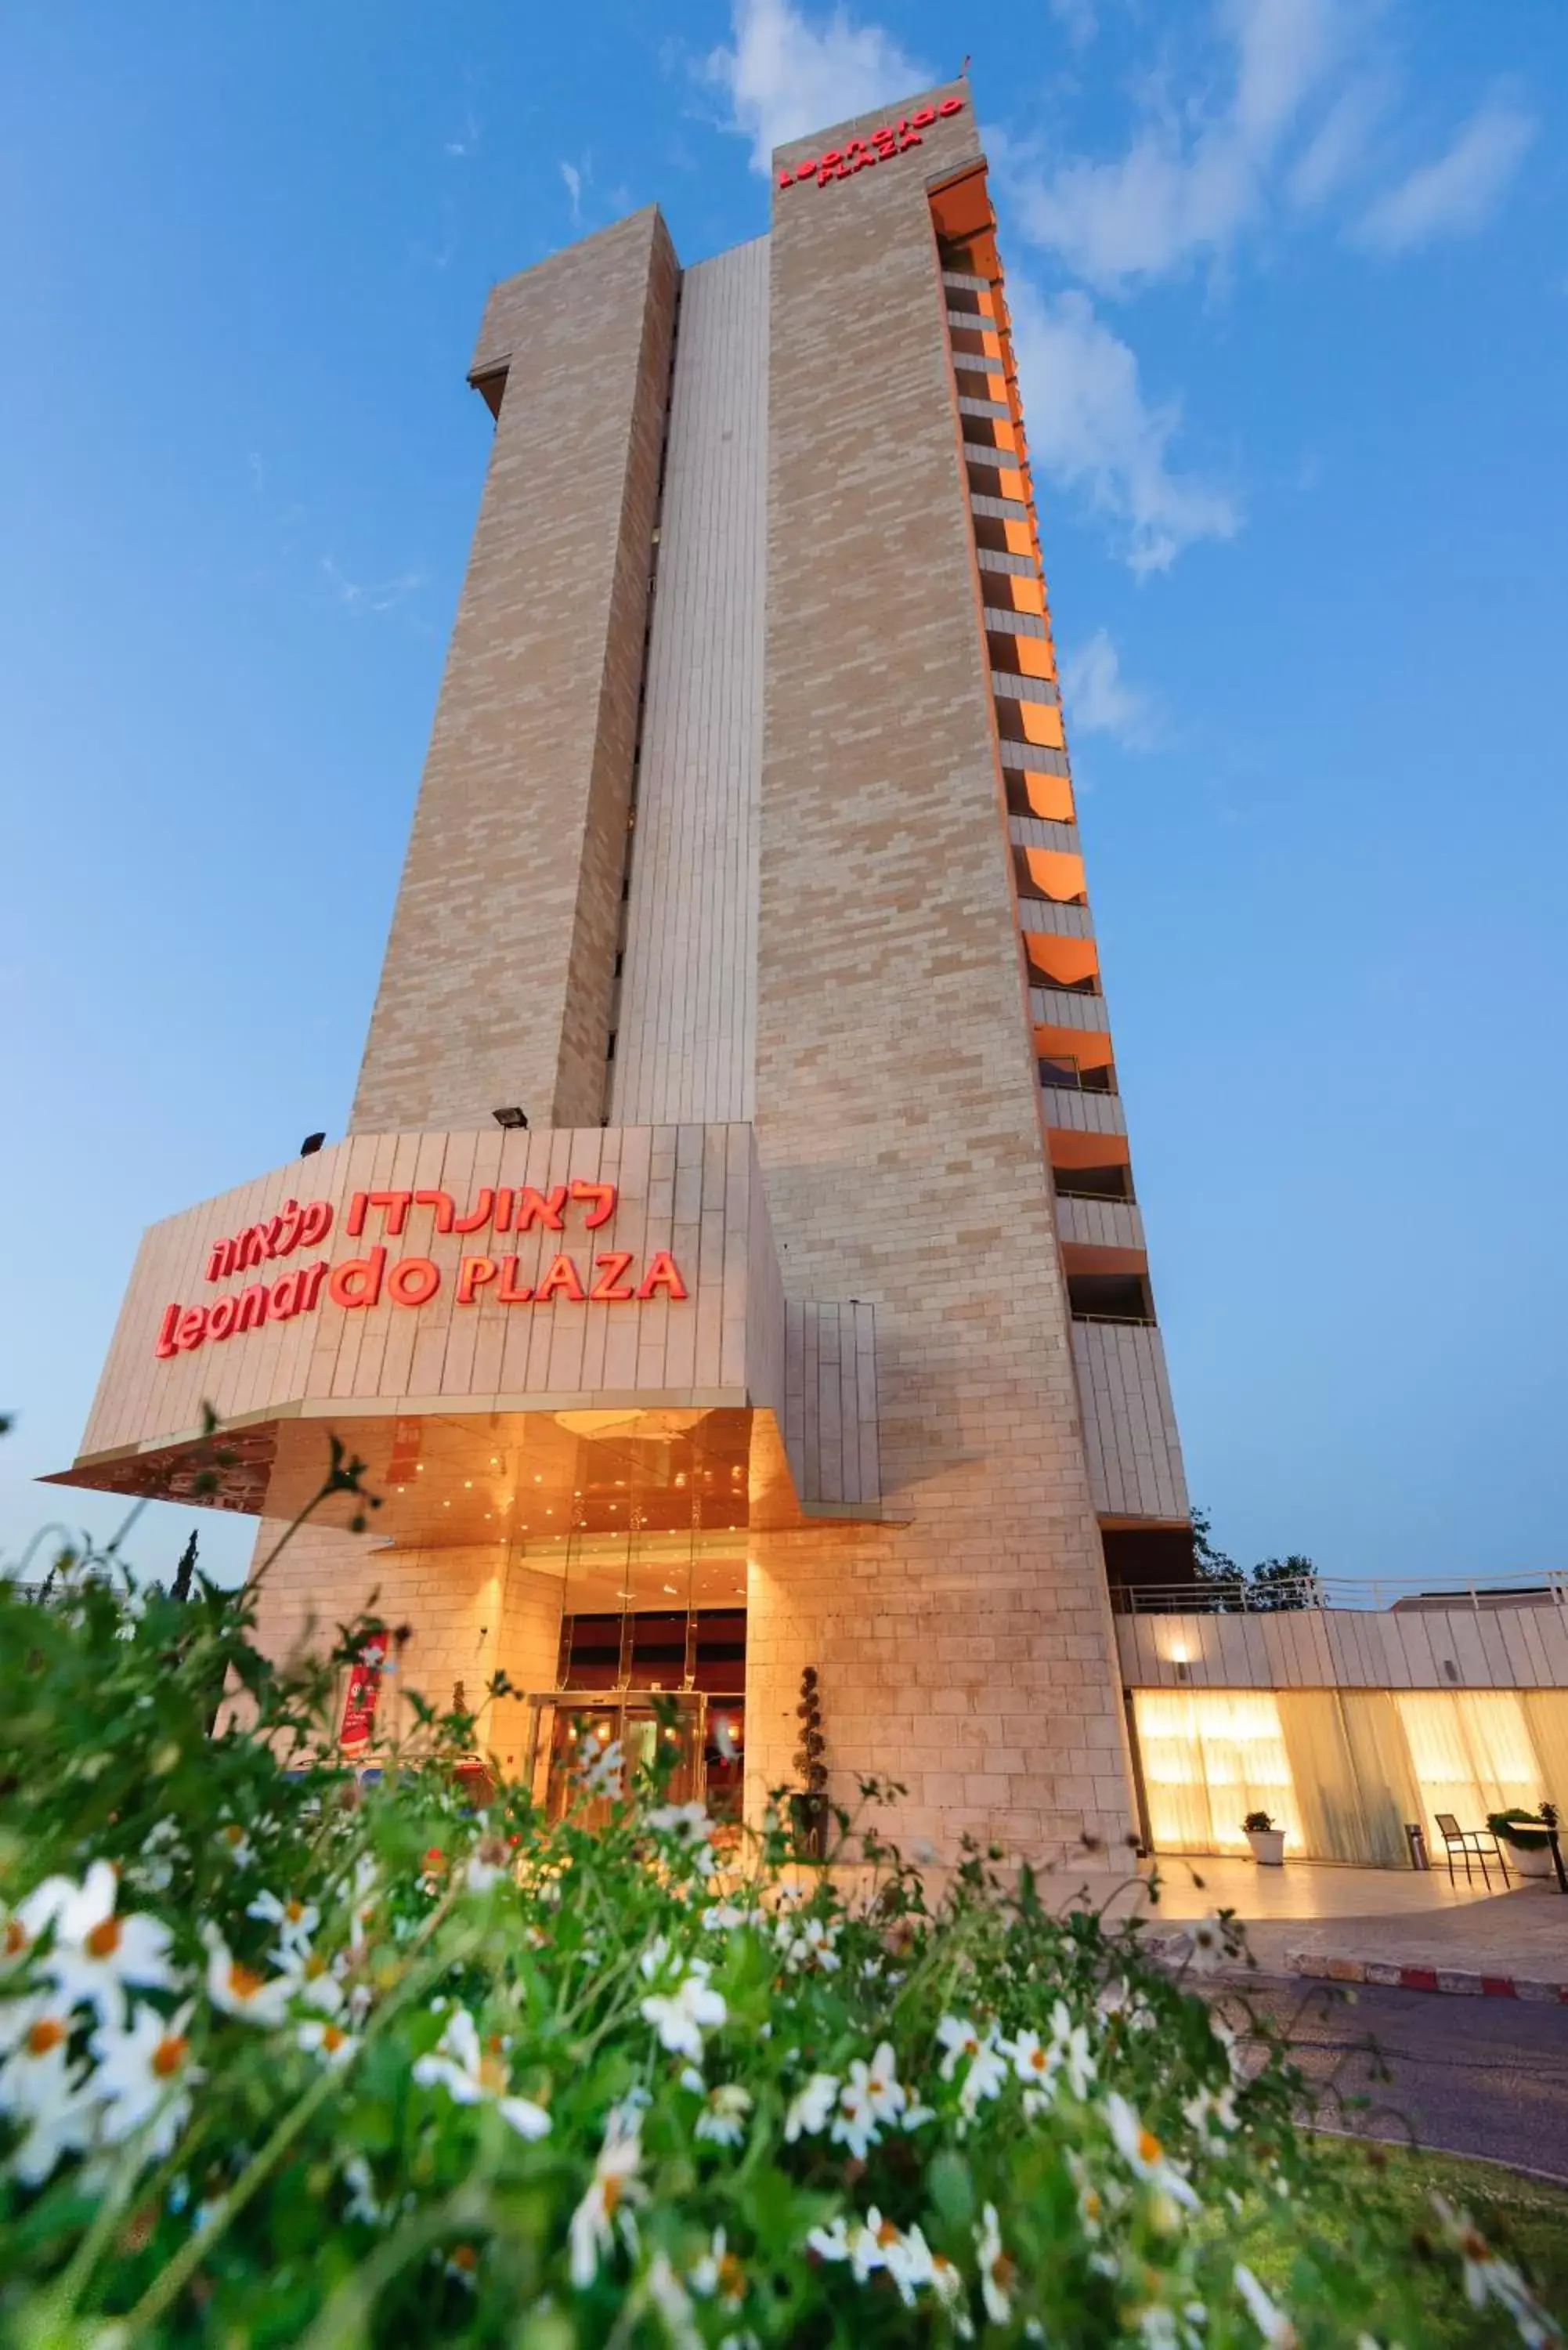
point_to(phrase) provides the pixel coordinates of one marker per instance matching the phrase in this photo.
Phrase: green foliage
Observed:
(291, 2060)
(1531, 1831)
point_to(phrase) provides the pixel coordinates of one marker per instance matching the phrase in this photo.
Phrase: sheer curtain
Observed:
(1351, 1776)
(1209, 1757)
(1471, 1751)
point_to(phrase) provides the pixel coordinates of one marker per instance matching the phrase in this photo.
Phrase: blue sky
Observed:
(1290, 281)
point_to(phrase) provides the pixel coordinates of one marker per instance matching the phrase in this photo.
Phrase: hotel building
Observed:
(732, 1261)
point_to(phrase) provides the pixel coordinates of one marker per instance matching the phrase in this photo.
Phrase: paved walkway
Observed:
(1365, 1924)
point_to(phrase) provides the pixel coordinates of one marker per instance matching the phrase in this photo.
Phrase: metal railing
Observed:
(1220, 1595)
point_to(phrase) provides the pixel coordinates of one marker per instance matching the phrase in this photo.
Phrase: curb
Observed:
(1459, 1982)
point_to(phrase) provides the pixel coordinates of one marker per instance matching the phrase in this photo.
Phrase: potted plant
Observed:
(1528, 1835)
(809, 1806)
(1267, 1841)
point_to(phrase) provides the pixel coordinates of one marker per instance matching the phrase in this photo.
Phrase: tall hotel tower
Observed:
(731, 1263)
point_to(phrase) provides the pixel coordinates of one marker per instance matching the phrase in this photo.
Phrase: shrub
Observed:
(287, 2059)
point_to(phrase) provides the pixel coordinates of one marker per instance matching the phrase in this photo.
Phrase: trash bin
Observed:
(1416, 1837)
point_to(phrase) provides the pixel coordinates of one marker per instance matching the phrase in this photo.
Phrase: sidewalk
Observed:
(1363, 1925)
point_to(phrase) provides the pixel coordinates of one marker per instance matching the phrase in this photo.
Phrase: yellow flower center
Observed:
(1091, 2204)
(332, 2039)
(887, 2233)
(492, 2072)
(1148, 2145)
(466, 2257)
(104, 1939)
(169, 2056)
(15, 1938)
(46, 2034)
(234, 1833)
(612, 2195)
(873, 2088)
(1037, 2058)
(731, 2277)
(244, 1982)
(314, 1965)
(294, 1911)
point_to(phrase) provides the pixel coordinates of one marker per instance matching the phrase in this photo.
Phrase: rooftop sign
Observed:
(892, 139)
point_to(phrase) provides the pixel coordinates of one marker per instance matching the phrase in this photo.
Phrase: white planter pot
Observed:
(1268, 1846)
(1521, 1863)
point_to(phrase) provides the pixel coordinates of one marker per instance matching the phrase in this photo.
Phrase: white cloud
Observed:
(1193, 177)
(364, 596)
(1091, 430)
(1342, 142)
(1079, 20)
(574, 180)
(786, 77)
(1461, 190)
(467, 139)
(1099, 700)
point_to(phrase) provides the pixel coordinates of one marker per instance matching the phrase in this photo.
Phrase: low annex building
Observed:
(733, 1262)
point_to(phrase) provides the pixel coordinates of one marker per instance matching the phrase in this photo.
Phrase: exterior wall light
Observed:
(510, 1118)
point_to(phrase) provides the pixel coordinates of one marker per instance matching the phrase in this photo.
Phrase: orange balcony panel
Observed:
(1063, 962)
(1042, 722)
(1090, 1047)
(1006, 434)
(1050, 796)
(1069, 1149)
(1060, 876)
(1020, 538)
(1028, 593)
(1010, 483)
(1036, 658)
(961, 211)
(1082, 1256)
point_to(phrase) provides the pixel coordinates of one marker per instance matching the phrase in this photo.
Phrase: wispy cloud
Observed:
(256, 471)
(467, 139)
(1098, 698)
(360, 596)
(574, 180)
(1458, 192)
(1093, 431)
(785, 75)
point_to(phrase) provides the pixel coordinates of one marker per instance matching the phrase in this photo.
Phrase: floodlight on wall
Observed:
(311, 1144)
(510, 1118)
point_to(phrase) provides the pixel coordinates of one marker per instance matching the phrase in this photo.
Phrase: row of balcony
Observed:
(1099, 1227)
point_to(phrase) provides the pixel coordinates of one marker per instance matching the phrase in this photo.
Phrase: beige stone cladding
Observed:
(969, 1652)
(685, 1025)
(467, 1610)
(497, 984)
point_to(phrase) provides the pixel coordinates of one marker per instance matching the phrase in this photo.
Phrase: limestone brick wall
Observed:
(497, 984)
(469, 1611)
(969, 1651)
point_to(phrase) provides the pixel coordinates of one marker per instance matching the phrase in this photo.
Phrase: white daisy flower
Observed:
(145, 2070)
(1074, 2058)
(872, 2095)
(472, 2074)
(98, 1953)
(241, 1990)
(681, 2016)
(40, 2088)
(996, 2268)
(240, 1849)
(960, 2038)
(1205, 1944)
(1270, 2320)
(809, 2108)
(718, 2274)
(602, 1768)
(724, 2118)
(296, 1920)
(605, 2208)
(1144, 2154)
(319, 2036)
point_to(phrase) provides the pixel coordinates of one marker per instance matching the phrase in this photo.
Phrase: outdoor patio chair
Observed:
(1471, 1843)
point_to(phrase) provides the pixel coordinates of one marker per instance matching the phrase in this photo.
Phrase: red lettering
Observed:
(315, 1223)
(192, 1328)
(534, 1208)
(222, 1261)
(472, 1273)
(786, 177)
(478, 1217)
(357, 1280)
(413, 1281)
(356, 1207)
(221, 1316)
(442, 1202)
(662, 1273)
(605, 1194)
(509, 1293)
(604, 1291)
(924, 120)
(283, 1299)
(886, 143)
(950, 106)
(561, 1279)
(395, 1206)
(167, 1344)
(310, 1282)
(252, 1306)
(251, 1248)
(504, 1209)
(806, 171)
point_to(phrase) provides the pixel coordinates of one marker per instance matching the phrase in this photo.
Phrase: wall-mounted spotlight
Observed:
(510, 1118)
(311, 1144)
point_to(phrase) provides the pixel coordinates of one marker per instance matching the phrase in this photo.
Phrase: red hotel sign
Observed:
(880, 148)
(608, 1278)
